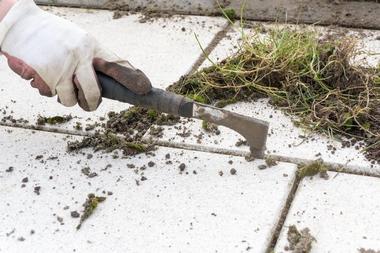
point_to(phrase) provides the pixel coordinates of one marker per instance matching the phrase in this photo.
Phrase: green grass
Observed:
(302, 74)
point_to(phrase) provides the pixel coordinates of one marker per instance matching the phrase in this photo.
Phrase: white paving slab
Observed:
(164, 49)
(285, 139)
(194, 211)
(341, 213)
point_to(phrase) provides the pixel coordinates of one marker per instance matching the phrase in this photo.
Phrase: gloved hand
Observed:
(60, 58)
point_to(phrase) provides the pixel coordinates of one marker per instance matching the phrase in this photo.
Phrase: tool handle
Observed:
(157, 99)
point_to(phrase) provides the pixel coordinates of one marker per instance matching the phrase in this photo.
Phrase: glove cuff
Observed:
(18, 11)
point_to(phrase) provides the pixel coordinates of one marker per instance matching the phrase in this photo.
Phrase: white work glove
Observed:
(60, 58)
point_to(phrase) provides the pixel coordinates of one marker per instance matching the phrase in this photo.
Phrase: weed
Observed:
(306, 76)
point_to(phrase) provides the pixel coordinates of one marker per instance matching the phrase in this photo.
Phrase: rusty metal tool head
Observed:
(253, 130)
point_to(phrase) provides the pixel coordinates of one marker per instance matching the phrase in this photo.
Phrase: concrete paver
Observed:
(164, 49)
(341, 213)
(194, 211)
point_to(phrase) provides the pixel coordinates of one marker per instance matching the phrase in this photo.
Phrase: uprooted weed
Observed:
(307, 76)
(124, 131)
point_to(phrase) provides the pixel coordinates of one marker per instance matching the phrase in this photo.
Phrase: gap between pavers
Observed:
(341, 213)
(286, 141)
(164, 49)
(194, 211)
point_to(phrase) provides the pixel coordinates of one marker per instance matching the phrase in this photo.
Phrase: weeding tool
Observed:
(253, 130)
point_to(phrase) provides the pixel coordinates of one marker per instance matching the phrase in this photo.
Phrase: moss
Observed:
(152, 114)
(229, 13)
(205, 125)
(210, 128)
(198, 98)
(270, 161)
(90, 206)
(224, 102)
(312, 169)
(78, 126)
(53, 120)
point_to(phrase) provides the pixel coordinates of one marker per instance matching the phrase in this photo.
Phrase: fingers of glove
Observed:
(123, 72)
(66, 92)
(28, 73)
(88, 89)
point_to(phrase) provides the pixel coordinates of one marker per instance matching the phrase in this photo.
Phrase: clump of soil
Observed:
(108, 142)
(89, 207)
(87, 172)
(299, 241)
(124, 131)
(362, 250)
(309, 77)
(53, 120)
(148, 16)
(137, 119)
(313, 169)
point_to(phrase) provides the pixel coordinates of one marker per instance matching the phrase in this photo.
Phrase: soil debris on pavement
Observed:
(363, 250)
(241, 142)
(37, 190)
(87, 172)
(210, 127)
(312, 169)
(109, 142)
(89, 207)
(56, 120)
(304, 74)
(299, 241)
(74, 214)
(270, 161)
(124, 131)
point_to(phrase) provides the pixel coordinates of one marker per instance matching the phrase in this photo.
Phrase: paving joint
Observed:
(333, 167)
(284, 213)
(213, 44)
(45, 129)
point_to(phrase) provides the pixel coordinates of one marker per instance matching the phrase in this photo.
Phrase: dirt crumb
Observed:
(262, 167)
(182, 167)
(87, 172)
(241, 142)
(37, 190)
(75, 214)
(299, 241)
